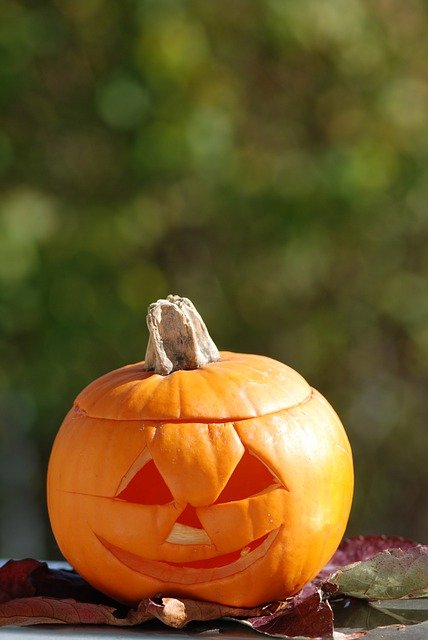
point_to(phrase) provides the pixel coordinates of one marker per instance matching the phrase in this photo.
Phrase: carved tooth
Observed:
(182, 534)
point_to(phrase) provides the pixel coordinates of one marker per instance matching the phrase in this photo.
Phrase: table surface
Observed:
(57, 632)
(226, 630)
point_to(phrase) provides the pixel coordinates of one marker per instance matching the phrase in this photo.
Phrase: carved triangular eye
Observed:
(146, 487)
(250, 477)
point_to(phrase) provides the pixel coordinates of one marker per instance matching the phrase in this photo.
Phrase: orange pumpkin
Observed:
(217, 476)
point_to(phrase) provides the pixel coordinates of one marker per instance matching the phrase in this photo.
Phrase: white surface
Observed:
(59, 632)
(15, 633)
(64, 632)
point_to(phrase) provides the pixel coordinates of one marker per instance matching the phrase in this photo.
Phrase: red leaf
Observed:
(364, 547)
(309, 617)
(40, 610)
(14, 579)
(21, 578)
(63, 583)
(361, 548)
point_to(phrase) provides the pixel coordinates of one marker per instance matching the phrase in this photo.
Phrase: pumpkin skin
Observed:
(230, 483)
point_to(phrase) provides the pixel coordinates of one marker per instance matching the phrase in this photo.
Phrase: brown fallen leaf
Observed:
(41, 610)
(308, 617)
(15, 579)
(28, 577)
(177, 613)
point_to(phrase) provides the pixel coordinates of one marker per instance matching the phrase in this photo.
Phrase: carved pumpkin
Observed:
(218, 476)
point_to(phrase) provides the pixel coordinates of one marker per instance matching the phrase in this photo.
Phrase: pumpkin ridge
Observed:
(149, 397)
(209, 372)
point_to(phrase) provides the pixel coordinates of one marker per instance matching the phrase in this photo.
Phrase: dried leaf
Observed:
(14, 579)
(356, 614)
(22, 578)
(403, 609)
(309, 617)
(360, 548)
(171, 611)
(388, 575)
(177, 613)
(364, 547)
(41, 610)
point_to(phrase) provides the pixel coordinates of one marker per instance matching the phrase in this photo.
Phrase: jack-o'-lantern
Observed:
(217, 476)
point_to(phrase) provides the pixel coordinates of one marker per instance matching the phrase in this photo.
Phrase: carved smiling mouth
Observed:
(199, 570)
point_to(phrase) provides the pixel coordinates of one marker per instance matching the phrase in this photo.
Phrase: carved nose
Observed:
(189, 518)
(188, 529)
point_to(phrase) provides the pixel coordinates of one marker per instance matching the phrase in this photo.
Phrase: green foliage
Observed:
(268, 160)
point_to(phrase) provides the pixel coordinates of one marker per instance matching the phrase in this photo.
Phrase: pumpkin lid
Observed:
(184, 377)
(236, 387)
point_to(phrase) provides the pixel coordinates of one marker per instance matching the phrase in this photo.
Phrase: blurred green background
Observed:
(267, 159)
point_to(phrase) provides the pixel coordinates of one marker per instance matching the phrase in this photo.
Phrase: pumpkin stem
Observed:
(178, 337)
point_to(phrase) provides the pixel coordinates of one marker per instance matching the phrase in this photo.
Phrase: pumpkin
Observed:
(218, 476)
